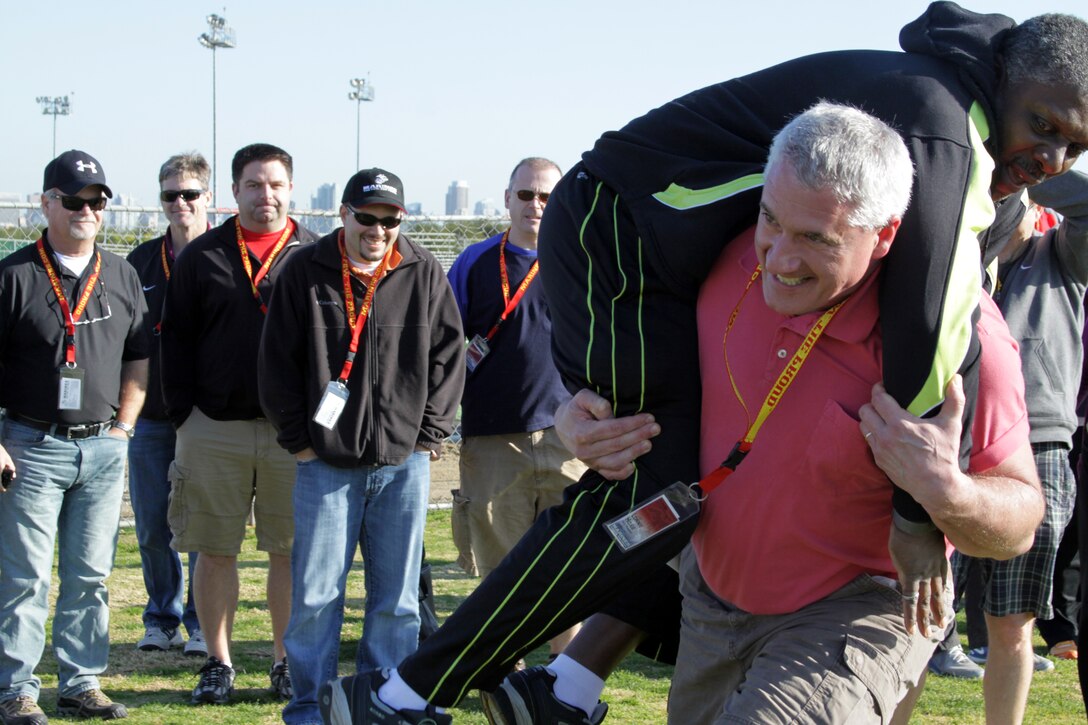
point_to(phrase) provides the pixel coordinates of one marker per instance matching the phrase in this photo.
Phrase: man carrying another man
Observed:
(73, 354)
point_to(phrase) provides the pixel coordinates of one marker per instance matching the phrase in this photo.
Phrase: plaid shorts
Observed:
(1025, 583)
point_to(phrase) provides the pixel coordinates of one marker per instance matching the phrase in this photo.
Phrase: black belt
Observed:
(71, 432)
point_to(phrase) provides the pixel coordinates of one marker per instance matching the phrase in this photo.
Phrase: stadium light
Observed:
(363, 92)
(54, 107)
(219, 35)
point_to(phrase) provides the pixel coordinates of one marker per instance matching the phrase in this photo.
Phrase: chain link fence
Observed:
(123, 227)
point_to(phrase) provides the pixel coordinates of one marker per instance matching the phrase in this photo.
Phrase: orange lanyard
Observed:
(357, 322)
(244, 250)
(789, 374)
(165, 262)
(511, 303)
(70, 316)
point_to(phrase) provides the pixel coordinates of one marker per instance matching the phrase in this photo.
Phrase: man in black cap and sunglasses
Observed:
(360, 370)
(73, 354)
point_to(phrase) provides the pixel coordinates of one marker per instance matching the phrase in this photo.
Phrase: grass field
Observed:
(156, 686)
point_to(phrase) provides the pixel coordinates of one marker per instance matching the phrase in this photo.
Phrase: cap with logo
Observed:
(374, 186)
(73, 171)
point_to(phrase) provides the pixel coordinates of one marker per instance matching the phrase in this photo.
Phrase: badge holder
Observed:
(477, 350)
(70, 390)
(656, 515)
(332, 404)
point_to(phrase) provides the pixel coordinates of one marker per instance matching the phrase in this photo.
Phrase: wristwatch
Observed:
(130, 430)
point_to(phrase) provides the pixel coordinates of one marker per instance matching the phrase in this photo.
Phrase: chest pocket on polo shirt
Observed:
(840, 466)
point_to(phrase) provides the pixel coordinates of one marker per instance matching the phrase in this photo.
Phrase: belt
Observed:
(71, 432)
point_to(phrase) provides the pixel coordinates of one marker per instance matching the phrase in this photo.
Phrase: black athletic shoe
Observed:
(353, 700)
(527, 698)
(281, 680)
(216, 684)
(91, 703)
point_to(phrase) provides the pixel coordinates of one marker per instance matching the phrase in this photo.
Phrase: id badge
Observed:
(476, 352)
(70, 390)
(653, 516)
(332, 404)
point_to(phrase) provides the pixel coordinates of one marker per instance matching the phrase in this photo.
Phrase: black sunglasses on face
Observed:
(528, 194)
(187, 194)
(369, 220)
(75, 203)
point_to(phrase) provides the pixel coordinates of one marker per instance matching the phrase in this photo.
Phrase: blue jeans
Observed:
(68, 492)
(149, 457)
(381, 510)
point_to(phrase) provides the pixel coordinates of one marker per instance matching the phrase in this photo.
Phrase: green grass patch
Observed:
(156, 686)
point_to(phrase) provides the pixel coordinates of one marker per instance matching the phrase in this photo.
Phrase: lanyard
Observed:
(70, 316)
(511, 303)
(357, 322)
(741, 448)
(276, 249)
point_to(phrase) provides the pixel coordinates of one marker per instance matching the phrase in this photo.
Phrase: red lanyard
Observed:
(511, 303)
(789, 374)
(244, 250)
(165, 264)
(70, 316)
(357, 322)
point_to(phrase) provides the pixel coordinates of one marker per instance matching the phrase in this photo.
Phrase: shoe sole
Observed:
(195, 653)
(205, 700)
(333, 703)
(77, 713)
(492, 710)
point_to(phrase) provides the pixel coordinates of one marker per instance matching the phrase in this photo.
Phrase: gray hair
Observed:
(1050, 49)
(189, 163)
(861, 159)
(533, 162)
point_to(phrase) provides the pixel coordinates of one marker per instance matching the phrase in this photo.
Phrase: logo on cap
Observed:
(84, 165)
(381, 178)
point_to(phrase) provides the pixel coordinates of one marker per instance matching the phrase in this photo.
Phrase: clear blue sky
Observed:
(464, 89)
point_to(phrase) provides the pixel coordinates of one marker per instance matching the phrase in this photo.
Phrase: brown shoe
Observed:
(91, 703)
(22, 710)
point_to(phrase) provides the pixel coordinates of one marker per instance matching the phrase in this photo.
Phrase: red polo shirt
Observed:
(808, 510)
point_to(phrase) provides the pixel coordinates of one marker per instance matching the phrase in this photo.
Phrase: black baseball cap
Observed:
(374, 186)
(73, 171)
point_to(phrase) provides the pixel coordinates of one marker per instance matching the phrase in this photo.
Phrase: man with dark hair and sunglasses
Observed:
(184, 181)
(361, 367)
(226, 460)
(74, 345)
(513, 465)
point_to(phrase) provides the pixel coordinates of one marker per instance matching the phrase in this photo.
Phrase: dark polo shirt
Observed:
(32, 335)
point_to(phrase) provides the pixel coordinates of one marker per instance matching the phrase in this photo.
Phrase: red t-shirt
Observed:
(261, 243)
(808, 510)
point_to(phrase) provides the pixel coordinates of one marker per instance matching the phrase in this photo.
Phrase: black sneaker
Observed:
(281, 680)
(353, 700)
(527, 698)
(91, 703)
(22, 710)
(216, 683)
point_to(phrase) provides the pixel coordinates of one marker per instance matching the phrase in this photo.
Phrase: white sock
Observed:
(398, 695)
(575, 685)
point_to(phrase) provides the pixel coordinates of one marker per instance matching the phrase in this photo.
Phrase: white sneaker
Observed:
(196, 646)
(159, 639)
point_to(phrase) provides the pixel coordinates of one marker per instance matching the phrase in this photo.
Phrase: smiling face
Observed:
(812, 257)
(72, 232)
(1042, 130)
(263, 193)
(525, 216)
(369, 243)
(186, 215)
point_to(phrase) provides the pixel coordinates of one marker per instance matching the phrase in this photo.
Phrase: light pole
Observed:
(54, 107)
(219, 35)
(363, 92)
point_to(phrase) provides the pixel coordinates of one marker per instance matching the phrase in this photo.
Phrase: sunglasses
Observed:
(75, 203)
(187, 194)
(369, 220)
(528, 195)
